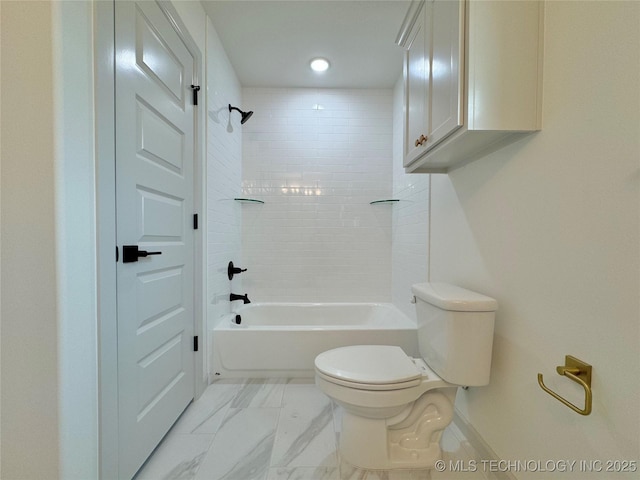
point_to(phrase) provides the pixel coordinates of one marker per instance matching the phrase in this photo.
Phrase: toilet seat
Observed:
(368, 387)
(369, 367)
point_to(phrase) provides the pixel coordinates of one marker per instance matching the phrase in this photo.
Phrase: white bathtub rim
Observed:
(400, 320)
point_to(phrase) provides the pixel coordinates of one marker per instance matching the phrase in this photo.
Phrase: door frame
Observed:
(104, 61)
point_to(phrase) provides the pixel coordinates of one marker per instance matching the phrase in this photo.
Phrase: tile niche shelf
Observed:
(389, 201)
(248, 200)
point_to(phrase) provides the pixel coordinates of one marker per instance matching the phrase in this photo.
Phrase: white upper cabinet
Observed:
(473, 78)
(416, 90)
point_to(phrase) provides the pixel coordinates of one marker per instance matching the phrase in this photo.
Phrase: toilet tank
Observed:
(455, 332)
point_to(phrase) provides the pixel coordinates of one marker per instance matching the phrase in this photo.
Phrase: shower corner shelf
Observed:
(391, 200)
(248, 200)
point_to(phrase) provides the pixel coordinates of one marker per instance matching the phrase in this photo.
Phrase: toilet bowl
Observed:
(395, 407)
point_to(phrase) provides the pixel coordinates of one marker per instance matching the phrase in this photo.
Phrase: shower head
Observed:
(245, 115)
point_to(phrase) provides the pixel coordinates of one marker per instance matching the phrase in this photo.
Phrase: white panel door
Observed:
(154, 190)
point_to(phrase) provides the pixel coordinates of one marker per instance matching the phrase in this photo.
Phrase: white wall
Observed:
(224, 178)
(317, 157)
(410, 227)
(549, 227)
(193, 16)
(48, 310)
(29, 321)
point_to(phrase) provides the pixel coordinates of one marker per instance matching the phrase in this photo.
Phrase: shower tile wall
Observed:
(317, 157)
(410, 245)
(224, 177)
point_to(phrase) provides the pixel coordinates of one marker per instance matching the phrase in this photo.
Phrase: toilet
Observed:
(395, 407)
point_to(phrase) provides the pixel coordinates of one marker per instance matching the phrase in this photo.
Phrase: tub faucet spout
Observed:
(244, 298)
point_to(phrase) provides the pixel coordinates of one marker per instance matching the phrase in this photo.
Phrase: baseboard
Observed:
(482, 448)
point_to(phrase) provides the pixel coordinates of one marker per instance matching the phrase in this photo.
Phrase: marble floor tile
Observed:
(205, 414)
(457, 455)
(349, 472)
(260, 392)
(241, 449)
(305, 435)
(177, 457)
(450, 441)
(451, 474)
(302, 381)
(304, 473)
(303, 392)
(276, 429)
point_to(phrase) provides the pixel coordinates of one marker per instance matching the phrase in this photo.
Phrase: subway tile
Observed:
(337, 169)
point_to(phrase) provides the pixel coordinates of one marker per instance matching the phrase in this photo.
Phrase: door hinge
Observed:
(117, 254)
(195, 221)
(195, 89)
(195, 343)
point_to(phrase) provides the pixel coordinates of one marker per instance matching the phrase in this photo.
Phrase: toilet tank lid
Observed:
(453, 298)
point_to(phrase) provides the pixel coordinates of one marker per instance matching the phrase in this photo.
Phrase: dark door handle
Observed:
(131, 253)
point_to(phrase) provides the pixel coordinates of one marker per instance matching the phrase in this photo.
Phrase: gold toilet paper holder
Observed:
(579, 372)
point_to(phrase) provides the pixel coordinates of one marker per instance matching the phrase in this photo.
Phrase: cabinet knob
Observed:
(421, 140)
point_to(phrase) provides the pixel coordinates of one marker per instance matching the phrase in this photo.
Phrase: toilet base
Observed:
(410, 439)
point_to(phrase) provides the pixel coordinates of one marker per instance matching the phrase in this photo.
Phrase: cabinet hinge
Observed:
(195, 221)
(195, 343)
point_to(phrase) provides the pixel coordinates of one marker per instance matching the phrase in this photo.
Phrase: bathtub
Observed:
(283, 339)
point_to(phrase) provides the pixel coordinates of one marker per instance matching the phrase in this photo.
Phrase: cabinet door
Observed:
(446, 28)
(416, 87)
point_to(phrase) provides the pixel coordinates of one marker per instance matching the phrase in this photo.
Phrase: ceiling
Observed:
(270, 43)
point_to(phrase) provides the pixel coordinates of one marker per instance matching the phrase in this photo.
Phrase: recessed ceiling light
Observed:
(319, 64)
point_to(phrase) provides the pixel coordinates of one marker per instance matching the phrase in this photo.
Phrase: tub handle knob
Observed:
(231, 270)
